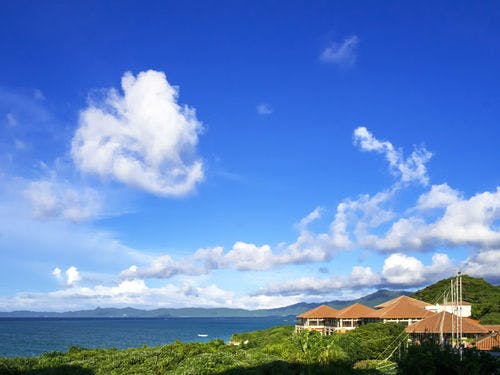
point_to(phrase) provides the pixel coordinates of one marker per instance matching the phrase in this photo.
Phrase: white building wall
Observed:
(464, 310)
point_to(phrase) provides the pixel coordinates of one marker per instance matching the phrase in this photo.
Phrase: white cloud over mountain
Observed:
(142, 138)
(138, 293)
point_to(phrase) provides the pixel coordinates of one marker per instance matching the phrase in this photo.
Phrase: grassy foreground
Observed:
(273, 351)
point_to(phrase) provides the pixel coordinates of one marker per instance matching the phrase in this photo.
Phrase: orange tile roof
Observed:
(488, 342)
(319, 312)
(492, 327)
(355, 311)
(404, 299)
(403, 308)
(433, 323)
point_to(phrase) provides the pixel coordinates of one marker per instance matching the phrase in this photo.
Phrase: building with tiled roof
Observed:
(405, 299)
(322, 311)
(402, 310)
(406, 310)
(492, 327)
(489, 342)
(442, 323)
(353, 316)
(321, 319)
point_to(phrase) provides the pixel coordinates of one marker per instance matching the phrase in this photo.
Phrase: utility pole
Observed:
(452, 290)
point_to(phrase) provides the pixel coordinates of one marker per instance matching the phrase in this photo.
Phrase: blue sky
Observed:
(244, 155)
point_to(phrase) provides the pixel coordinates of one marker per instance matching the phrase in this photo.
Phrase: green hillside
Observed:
(484, 297)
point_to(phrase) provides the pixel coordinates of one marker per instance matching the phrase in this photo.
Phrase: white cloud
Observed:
(11, 119)
(398, 270)
(243, 256)
(312, 216)
(360, 277)
(264, 109)
(363, 276)
(439, 196)
(401, 269)
(410, 169)
(72, 276)
(142, 138)
(137, 293)
(163, 267)
(247, 256)
(470, 222)
(54, 199)
(38, 94)
(341, 53)
(484, 264)
(57, 273)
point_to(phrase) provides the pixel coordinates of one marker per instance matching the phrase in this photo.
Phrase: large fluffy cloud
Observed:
(484, 264)
(142, 138)
(470, 222)
(401, 269)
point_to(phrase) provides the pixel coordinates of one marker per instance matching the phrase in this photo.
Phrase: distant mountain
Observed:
(484, 297)
(129, 312)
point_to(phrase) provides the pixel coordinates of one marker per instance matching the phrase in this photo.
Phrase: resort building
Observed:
(448, 323)
(322, 319)
(440, 325)
(422, 319)
(404, 309)
(354, 316)
(489, 342)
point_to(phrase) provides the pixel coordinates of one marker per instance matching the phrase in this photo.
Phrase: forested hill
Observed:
(484, 297)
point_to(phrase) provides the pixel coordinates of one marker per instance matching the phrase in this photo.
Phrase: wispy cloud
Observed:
(137, 293)
(264, 109)
(11, 119)
(409, 169)
(55, 199)
(341, 53)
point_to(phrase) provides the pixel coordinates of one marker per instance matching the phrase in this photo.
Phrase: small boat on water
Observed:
(202, 335)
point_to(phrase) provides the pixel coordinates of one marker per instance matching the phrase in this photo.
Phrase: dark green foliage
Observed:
(484, 297)
(372, 341)
(431, 358)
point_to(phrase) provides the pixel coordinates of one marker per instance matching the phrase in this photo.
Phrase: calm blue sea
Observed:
(34, 336)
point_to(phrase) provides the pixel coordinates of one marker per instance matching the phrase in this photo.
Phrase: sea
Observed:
(26, 337)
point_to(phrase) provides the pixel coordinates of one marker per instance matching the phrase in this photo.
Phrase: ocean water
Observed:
(35, 336)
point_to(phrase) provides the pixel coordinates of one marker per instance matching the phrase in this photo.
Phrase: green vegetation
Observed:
(431, 358)
(273, 351)
(484, 297)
